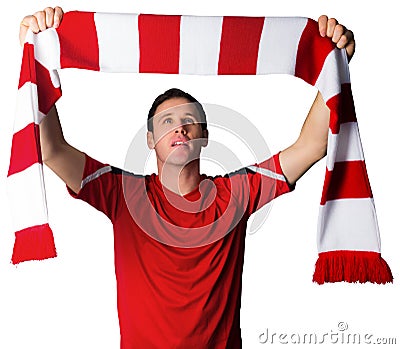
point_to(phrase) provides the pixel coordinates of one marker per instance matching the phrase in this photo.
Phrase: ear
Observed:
(150, 140)
(204, 142)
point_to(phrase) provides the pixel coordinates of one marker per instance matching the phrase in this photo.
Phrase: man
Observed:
(179, 235)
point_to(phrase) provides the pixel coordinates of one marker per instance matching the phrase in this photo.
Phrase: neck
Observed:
(180, 179)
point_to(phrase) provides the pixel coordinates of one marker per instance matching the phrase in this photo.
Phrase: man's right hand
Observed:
(41, 20)
(66, 161)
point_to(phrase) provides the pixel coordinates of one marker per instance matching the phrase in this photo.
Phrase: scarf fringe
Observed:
(34, 243)
(352, 266)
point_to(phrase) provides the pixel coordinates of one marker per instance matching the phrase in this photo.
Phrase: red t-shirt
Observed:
(179, 259)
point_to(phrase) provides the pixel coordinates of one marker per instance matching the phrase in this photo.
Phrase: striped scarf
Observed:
(348, 234)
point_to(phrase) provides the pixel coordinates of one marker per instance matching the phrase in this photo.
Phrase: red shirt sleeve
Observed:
(266, 182)
(256, 185)
(100, 187)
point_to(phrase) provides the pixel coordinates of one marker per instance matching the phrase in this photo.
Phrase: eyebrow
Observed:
(163, 116)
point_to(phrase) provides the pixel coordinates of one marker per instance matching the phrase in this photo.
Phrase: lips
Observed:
(179, 142)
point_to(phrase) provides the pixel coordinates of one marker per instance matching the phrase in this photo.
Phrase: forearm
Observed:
(51, 135)
(311, 145)
(63, 159)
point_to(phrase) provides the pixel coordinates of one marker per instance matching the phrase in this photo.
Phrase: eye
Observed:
(188, 121)
(167, 121)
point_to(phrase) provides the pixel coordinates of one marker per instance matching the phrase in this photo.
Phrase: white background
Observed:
(69, 302)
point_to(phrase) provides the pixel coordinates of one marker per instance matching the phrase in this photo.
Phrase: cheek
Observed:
(203, 137)
(159, 137)
(161, 133)
(196, 131)
(162, 145)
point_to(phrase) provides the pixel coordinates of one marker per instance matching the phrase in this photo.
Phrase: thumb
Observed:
(22, 33)
(350, 49)
(28, 22)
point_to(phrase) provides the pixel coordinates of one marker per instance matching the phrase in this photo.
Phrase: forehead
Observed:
(177, 105)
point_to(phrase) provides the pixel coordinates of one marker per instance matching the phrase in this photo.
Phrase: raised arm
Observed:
(311, 145)
(63, 159)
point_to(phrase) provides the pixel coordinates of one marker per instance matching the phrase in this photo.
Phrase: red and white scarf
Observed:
(348, 234)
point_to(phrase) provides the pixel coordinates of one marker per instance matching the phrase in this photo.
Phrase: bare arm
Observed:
(66, 161)
(311, 145)
(63, 159)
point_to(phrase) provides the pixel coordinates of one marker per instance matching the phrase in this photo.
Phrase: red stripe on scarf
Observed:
(25, 149)
(159, 41)
(312, 52)
(240, 39)
(342, 108)
(83, 51)
(348, 180)
(27, 73)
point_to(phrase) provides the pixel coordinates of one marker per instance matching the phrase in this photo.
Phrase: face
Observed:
(177, 135)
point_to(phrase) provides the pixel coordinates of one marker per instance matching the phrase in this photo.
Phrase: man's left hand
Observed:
(340, 35)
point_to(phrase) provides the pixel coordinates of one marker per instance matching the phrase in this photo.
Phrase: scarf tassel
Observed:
(34, 243)
(351, 266)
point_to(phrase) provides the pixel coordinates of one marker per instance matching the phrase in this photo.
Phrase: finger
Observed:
(350, 36)
(323, 24)
(351, 44)
(49, 12)
(332, 22)
(342, 42)
(41, 19)
(30, 22)
(345, 39)
(58, 16)
(338, 31)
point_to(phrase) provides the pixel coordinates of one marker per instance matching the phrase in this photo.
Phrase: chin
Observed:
(181, 159)
(178, 161)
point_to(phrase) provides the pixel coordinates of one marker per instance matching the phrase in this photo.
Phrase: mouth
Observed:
(179, 143)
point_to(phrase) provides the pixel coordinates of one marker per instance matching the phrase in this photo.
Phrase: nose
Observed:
(181, 130)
